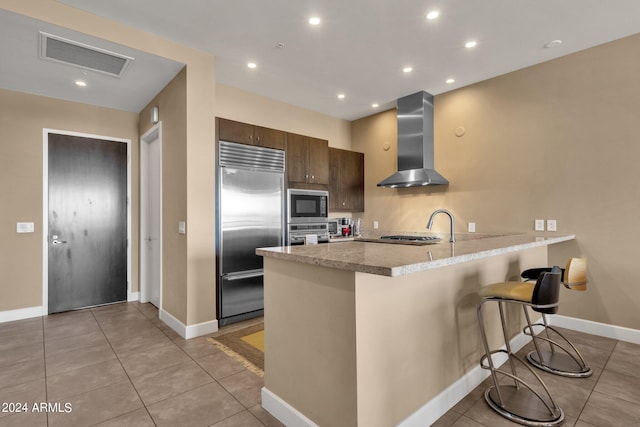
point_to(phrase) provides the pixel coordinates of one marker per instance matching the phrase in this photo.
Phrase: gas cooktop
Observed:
(403, 240)
(412, 238)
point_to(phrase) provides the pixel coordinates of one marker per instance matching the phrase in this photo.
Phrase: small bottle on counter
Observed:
(357, 227)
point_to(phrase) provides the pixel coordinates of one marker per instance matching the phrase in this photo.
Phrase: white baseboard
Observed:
(200, 329)
(595, 328)
(285, 413)
(448, 398)
(191, 331)
(133, 296)
(21, 313)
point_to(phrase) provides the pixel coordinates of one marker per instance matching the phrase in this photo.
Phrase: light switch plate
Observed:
(539, 225)
(472, 227)
(24, 227)
(182, 227)
(551, 225)
(375, 225)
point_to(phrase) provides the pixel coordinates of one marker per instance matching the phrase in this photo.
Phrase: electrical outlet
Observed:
(472, 227)
(539, 225)
(551, 225)
(375, 225)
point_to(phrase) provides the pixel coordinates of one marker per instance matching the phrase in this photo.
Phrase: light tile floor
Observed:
(119, 365)
(610, 397)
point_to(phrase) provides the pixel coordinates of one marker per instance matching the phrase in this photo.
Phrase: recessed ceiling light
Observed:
(553, 43)
(470, 44)
(251, 64)
(81, 83)
(433, 14)
(450, 80)
(407, 69)
(341, 96)
(314, 20)
(374, 105)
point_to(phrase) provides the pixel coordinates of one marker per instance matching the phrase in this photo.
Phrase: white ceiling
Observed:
(361, 46)
(22, 70)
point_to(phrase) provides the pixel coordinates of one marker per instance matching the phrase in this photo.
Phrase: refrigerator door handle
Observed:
(244, 275)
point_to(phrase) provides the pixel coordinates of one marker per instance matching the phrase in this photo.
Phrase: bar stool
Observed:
(520, 402)
(568, 362)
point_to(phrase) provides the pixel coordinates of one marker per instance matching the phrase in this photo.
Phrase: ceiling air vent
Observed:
(77, 54)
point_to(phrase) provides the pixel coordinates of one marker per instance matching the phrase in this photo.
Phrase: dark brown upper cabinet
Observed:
(346, 180)
(244, 133)
(307, 160)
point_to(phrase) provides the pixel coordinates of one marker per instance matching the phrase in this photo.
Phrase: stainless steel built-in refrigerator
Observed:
(250, 206)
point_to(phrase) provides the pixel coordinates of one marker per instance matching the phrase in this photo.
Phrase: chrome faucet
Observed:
(436, 212)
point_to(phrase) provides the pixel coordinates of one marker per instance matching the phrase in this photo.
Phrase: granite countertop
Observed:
(397, 260)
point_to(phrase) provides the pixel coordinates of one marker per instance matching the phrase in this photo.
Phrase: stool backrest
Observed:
(575, 274)
(546, 293)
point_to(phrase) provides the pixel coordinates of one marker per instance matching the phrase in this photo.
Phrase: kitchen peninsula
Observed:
(368, 334)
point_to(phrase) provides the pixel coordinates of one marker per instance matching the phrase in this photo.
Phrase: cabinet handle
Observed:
(306, 176)
(257, 138)
(312, 177)
(343, 203)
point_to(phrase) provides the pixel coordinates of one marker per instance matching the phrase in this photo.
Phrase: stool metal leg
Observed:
(567, 363)
(507, 342)
(523, 405)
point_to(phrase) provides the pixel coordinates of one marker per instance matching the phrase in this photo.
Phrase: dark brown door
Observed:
(87, 255)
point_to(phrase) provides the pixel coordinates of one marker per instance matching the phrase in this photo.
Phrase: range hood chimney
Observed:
(415, 144)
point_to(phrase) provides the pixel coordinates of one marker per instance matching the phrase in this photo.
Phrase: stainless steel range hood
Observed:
(415, 144)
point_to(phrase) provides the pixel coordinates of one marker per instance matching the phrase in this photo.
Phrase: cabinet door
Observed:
(270, 138)
(354, 180)
(297, 157)
(346, 180)
(232, 131)
(318, 161)
(335, 191)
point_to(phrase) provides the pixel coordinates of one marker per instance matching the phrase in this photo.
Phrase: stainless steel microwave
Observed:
(307, 206)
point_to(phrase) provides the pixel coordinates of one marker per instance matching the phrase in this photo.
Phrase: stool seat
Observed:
(517, 291)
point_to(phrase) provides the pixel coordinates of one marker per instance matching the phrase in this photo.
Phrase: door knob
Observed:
(56, 242)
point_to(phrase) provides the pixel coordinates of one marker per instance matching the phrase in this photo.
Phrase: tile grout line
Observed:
(223, 387)
(125, 372)
(179, 394)
(595, 383)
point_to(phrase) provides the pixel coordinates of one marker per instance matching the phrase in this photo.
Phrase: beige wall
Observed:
(553, 141)
(200, 129)
(171, 102)
(236, 104)
(22, 119)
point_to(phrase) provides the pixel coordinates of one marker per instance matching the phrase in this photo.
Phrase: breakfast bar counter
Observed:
(387, 259)
(374, 334)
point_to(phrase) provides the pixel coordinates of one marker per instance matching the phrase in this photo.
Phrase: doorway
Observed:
(151, 216)
(87, 217)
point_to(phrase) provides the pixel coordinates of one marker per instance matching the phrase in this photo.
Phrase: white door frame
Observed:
(155, 132)
(131, 296)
